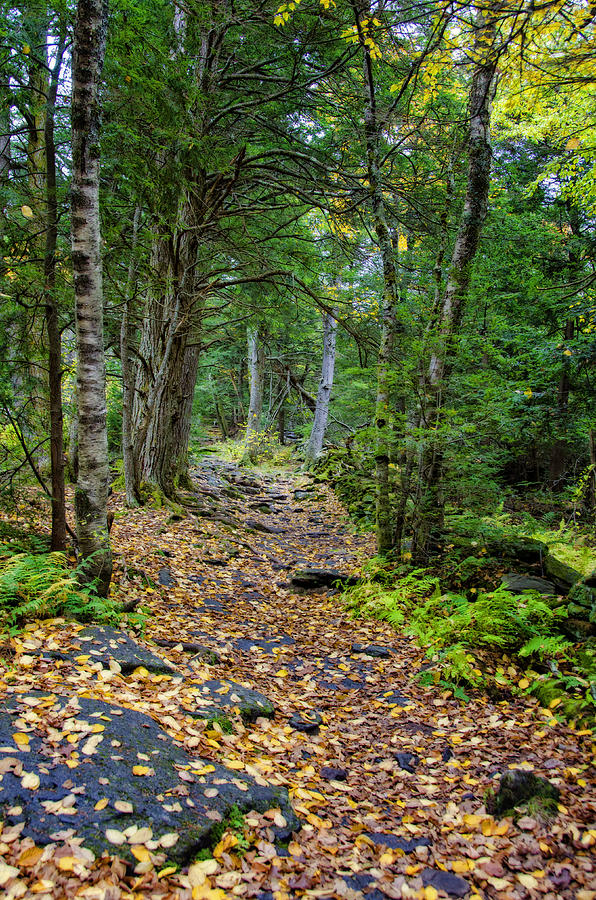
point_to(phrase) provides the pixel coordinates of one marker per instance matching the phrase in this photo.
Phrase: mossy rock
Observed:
(563, 576)
(517, 789)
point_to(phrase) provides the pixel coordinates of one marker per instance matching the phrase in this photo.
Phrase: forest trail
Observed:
(386, 776)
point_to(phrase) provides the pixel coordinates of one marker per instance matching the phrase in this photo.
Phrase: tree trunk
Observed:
(58, 538)
(314, 448)
(373, 130)
(183, 423)
(131, 479)
(256, 374)
(92, 484)
(429, 514)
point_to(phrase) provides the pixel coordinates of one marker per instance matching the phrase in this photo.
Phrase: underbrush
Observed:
(36, 586)
(495, 641)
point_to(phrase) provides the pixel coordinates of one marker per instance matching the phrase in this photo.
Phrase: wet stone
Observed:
(216, 697)
(306, 722)
(374, 650)
(330, 773)
(395, 842)
(519, 583)
(407, 761)
(318, 578)
(104, 643)
(167, 793)
(165, 577)
(445, 881)
(393, 698)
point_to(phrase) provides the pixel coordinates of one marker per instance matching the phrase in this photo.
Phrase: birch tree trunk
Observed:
(92, 484)
(256, 374)
(429, 512)
(58, 537)
(131, 480)
(314, 448)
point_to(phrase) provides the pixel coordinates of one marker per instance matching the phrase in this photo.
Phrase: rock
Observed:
(519, 583)
(583, 592)
(201, 652)
(394, 842)
(407, 761)
(562, 575)
(517, 787)
(578, 612)
(165, 577)
(306, 722)
(374, 650)
(104, 643)
(158, 792)
(215, 698)
(445, 881)
(260, 526)
(330, 773)
(317, 578)
(578, 630)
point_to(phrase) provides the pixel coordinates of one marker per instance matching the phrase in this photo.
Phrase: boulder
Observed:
(318, 578)
(562, 575)
(517, 584)
(578, 630)
(152, 792)
(217, 698)
(104, 643)
(517, 787)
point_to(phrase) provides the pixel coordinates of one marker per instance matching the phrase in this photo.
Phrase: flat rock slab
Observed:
(393, 698)
(318, 578)
(395, 842)
(374, 650)
(518, 583)
(217, 698)
(445, 881)
(126, 761)
(103, 643)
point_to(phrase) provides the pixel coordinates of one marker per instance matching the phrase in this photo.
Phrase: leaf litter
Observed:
(378, 828)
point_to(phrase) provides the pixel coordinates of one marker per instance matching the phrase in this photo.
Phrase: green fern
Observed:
(43, 586)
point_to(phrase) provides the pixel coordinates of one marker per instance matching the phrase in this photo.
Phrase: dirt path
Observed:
(387, 777)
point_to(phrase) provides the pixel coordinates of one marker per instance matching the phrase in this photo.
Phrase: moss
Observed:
(224, 723)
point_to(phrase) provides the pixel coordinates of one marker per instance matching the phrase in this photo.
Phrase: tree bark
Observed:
(92, 484)
(314, 448)
(256, 374)
(58, 536)
(429, 512)
(389, 306)
(131, 479)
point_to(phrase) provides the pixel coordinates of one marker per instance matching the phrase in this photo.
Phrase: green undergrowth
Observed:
(492, 640)
(43, 586)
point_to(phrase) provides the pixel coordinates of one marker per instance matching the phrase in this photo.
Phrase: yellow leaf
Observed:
(7, 872)
(169, 870)
(402, 243)
(30, 780)
(141, 853)
(26, 49)
(233, 764)
(554, 702)
(101, 804)
(462, 865)
(430, 893)
(386, 859)
(294, 848)
(141, 770)
(30, 857)
(572, 143)
(123, 806)
(66, 863)
(21, 739)
(523, 683)
(115, 837)
(27, 212)
(168, 840)
(528, 881)
(199, 871)
(472, 820)
(281, 673)
(204, 770)
(567, 353)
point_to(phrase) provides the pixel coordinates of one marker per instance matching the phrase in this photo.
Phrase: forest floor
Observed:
(388, 784)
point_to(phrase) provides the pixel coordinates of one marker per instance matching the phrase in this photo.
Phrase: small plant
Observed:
(224, 724)
(43, 586)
